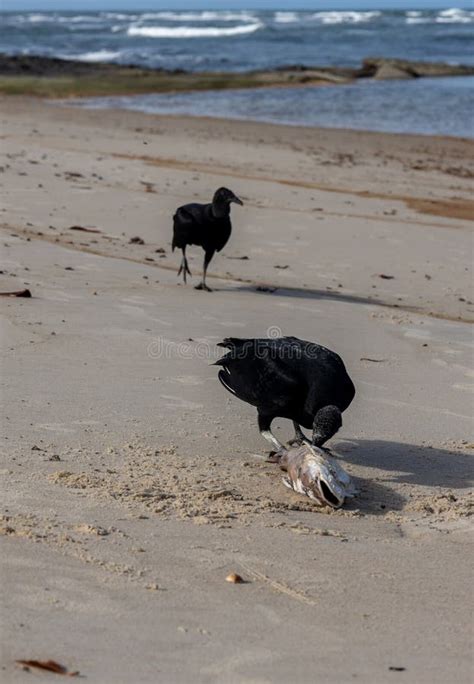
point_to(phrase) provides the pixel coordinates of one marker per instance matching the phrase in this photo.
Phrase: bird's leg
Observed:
(264, 423)
(300, 437)
(202, 285)
(184, 268)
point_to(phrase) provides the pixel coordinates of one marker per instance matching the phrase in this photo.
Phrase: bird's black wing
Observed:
(258, 377)
(286, 376)
(189, 225)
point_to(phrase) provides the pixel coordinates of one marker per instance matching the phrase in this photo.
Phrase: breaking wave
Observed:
(455, 16)
(345, 17)
(98, 56)
(191, 31)
(448, 16)
(286, 17)
(199, 16)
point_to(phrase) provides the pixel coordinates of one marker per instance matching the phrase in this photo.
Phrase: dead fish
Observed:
(314, 472)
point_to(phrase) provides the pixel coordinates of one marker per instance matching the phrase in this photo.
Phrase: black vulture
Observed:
(288, 378)
(207, 225)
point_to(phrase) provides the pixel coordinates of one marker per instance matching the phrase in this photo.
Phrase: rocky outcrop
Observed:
(380, 68)
(55, 78)
(372, 67)
(387, 72)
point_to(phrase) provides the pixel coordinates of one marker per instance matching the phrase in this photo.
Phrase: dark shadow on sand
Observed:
(405, 464)
(313, 293)
(411, 463)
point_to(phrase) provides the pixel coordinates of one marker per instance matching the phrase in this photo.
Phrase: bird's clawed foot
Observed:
(299, 438)
(203, 286)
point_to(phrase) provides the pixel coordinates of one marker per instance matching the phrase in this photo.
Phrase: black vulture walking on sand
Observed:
(288, 378)
(207, 225)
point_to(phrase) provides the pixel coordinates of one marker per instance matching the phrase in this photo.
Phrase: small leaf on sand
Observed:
(84, 230)
(48, 665)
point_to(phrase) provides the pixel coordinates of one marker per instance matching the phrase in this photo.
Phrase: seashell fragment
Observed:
(234, 578)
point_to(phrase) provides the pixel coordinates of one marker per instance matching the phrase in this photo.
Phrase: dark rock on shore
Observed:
(372, 67)
(380, 67)
(31, 65)
(37, 65)
(51, 77)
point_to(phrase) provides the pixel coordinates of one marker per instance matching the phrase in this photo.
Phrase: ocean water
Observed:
(241, 40)
(245, 40)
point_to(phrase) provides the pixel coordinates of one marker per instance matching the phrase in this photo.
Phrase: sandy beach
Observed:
(133, 484)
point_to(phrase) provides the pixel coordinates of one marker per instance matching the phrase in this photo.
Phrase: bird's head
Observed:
(226, 197)
(327, 422)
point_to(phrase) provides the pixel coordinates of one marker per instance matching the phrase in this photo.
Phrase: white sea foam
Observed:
(59, 19)
(118, 16)
(454, 12)
(455, 16)
(199, 16)
(345, 17)
(191, 31)
(79, 19)
(448, 16)
(286, 17)
(418, 20)
(98, 56)
(39, 18)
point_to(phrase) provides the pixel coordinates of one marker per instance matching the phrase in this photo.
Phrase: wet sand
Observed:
(134, 484)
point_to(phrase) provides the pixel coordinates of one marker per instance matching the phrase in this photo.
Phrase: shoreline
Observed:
(75, 103)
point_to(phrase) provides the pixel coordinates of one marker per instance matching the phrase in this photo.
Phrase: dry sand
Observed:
(133, 484)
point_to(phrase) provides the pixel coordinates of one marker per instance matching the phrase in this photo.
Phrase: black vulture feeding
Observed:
(288, 378)
(206, 225)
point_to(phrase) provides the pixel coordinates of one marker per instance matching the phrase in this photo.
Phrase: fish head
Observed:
(313, 472)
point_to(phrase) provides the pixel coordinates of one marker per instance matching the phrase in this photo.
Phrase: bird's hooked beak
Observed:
(237, 200)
